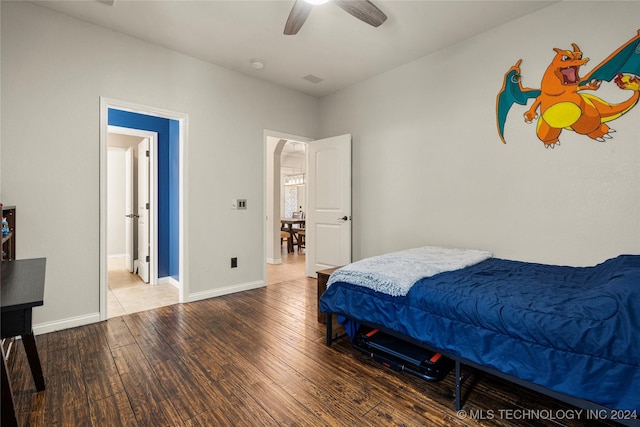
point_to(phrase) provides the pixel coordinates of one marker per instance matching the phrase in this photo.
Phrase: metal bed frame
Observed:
(597, 411)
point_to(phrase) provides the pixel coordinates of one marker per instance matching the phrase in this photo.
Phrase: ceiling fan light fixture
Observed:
(363, 10)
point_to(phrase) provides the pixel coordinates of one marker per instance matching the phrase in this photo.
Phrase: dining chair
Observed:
(298, 215)
(285, 235)
(301, 235)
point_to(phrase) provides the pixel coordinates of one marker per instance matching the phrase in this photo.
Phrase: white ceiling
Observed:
(331, 45)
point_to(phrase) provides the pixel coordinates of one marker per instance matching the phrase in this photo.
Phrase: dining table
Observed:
(287, 224)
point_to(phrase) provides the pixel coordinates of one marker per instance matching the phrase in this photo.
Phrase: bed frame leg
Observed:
(329, 328)
(460, 380)
(458, 386)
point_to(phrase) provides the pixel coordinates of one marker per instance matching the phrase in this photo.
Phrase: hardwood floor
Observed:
(254, 358)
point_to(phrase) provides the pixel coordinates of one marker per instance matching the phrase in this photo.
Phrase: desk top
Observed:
(22, 284)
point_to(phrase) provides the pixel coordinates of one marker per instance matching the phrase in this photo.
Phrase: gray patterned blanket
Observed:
(395, 273)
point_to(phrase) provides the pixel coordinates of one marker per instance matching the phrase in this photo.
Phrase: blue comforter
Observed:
(574, 330)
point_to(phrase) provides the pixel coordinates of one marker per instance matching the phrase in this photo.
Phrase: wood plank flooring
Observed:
(254, 358)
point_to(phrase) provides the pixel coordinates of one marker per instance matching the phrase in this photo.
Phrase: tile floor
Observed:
(129, 294)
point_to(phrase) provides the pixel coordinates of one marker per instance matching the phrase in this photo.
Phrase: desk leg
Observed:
(8, 410)
(30, 348)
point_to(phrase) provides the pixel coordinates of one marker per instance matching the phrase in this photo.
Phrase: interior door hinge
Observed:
(148, 259)
(148, 155)
(147, 206)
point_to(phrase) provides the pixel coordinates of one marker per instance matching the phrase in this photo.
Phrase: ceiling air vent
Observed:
(311, 78)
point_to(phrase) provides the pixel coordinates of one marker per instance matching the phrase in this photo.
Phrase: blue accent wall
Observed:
(168, 169)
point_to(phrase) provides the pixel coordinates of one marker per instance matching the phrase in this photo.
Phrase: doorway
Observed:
(131, 182)
(275, 143)
(289, 184)
(327, 195)
(166, 256)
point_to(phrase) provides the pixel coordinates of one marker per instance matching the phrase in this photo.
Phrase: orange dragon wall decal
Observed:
(561, 102)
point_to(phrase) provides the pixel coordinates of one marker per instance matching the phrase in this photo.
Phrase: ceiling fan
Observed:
(364, 10)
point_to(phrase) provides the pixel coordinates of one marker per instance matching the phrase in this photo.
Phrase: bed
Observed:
(570, 332)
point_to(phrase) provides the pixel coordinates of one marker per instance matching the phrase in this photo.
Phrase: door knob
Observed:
(344, 218)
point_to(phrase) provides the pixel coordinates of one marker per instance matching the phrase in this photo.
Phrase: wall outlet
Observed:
(234, 262)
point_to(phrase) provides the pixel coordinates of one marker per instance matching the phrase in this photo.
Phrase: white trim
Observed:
(70, 322)
(129, 131)
(183, 120)
(117, 256)
(218, 292)
(168, 280)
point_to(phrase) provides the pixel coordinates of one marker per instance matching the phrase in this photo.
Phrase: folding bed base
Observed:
(598, 410)
(400, 355)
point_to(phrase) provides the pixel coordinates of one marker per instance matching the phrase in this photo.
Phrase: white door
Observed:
(143, 210)
(128, 208)
(329, 203)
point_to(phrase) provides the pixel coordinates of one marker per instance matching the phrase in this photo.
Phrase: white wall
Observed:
(116, 208)
(429, 167)
(54, 71)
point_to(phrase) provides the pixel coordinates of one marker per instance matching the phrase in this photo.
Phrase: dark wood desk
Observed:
(22, 289)
(289, 223)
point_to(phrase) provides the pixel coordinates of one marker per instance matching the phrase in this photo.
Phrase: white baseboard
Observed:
(168, 280)
(274, 261)
(71, 322)
(224, 291)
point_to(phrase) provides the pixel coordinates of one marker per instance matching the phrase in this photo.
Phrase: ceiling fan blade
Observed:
(299, 13)
(364, 10)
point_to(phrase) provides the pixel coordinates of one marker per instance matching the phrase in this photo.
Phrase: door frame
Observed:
(129, 238)
(153, 192)
(273, 142)
(183, 120)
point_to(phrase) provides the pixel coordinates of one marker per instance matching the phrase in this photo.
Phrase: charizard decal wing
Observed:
(624, 60)
(511, 92)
